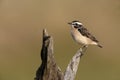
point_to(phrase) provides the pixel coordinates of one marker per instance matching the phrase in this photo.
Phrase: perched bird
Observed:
(81, 35)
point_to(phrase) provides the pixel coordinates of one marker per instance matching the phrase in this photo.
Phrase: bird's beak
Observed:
(70, 23)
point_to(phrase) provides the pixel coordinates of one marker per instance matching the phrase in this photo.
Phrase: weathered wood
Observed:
(72, 67)
(48, 69)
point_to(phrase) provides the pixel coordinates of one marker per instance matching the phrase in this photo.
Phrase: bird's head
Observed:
(75, 24)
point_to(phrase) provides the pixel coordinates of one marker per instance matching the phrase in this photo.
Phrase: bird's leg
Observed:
(83, 49)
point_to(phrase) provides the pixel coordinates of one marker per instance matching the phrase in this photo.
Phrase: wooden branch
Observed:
(48, 69)
(71, 70)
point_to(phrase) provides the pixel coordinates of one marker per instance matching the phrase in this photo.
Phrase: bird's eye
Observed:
(75, 24)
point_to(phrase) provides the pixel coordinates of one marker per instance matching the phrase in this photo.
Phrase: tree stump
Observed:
(48, 69)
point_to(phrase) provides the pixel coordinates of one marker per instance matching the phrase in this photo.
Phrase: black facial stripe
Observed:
(80, 25)
(75, 26)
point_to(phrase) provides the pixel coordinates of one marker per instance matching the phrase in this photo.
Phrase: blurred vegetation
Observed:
(21, 25)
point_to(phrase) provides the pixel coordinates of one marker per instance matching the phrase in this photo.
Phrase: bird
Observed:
(81, 35)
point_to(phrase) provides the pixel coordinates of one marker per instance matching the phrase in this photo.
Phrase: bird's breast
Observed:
(78, 37)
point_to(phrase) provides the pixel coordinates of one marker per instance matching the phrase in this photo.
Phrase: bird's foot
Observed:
(83, 49)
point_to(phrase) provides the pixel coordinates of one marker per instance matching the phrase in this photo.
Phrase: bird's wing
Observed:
(86, 33)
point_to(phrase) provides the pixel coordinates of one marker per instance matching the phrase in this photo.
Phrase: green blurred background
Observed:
(21, 25)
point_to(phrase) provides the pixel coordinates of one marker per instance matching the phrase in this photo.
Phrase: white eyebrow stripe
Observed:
(78, 23)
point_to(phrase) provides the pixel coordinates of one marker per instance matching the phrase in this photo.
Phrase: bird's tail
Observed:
(100, 46)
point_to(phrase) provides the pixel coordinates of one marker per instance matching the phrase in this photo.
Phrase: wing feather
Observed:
(86, 33)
